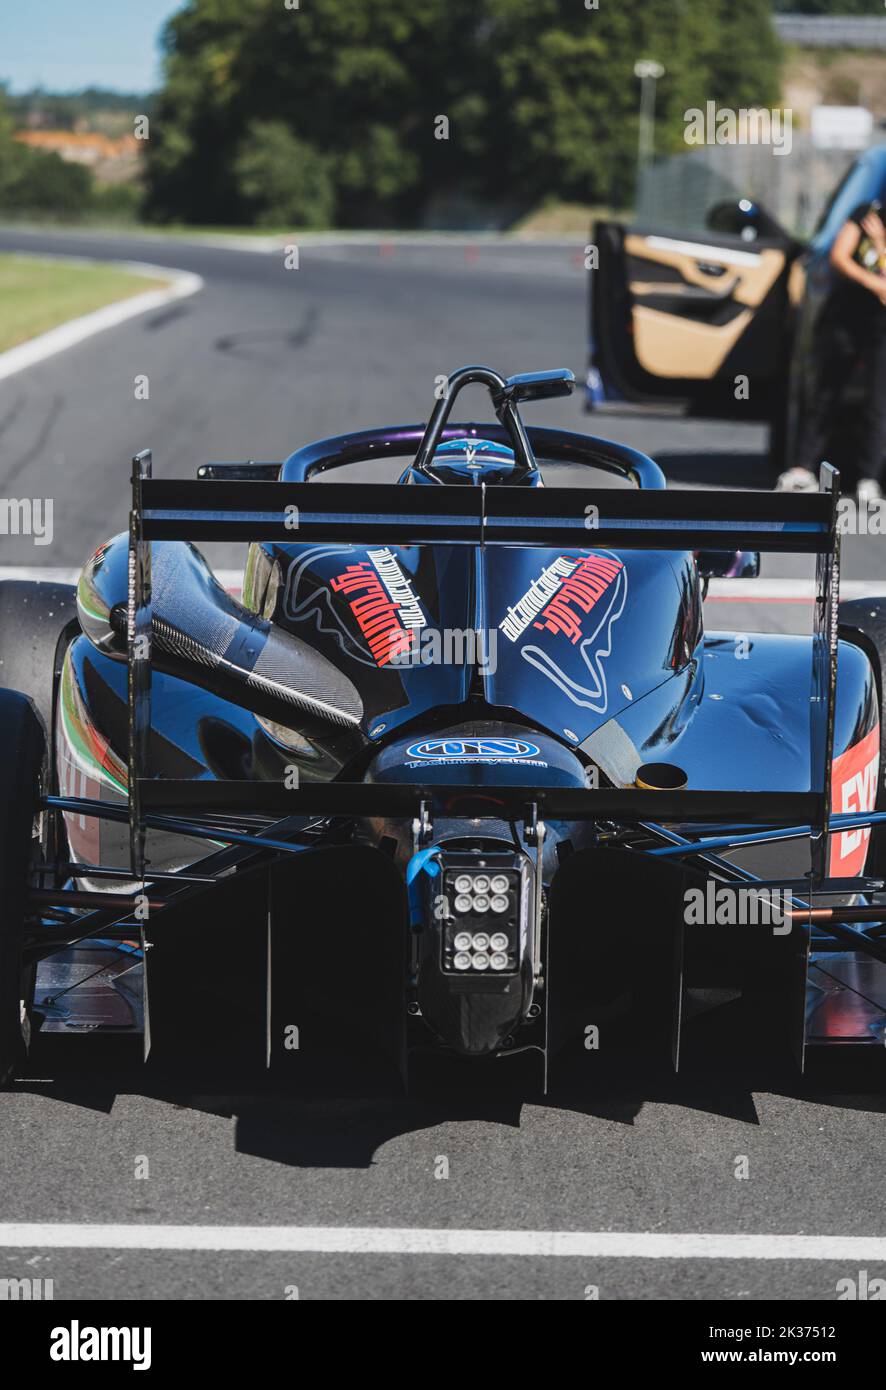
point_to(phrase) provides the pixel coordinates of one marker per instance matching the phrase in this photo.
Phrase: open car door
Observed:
(684, 316)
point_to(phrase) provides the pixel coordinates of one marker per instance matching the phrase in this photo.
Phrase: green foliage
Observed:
(44, 183)
(117, 202)
(283, 178)
(38, 183)
(110, 113)
(330, 112)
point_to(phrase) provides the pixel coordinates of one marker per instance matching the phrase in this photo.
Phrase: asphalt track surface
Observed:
(262, 360)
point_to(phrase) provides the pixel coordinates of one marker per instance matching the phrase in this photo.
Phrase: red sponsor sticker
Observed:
(378, 616)
(854, 789)
(578, 594)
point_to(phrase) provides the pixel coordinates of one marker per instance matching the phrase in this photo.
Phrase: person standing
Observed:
(852, 330)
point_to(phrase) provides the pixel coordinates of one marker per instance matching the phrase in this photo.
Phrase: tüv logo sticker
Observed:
(470, 750)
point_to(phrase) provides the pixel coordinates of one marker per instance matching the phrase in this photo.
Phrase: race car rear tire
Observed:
(862, 621)
(34, 615)
(21, 764)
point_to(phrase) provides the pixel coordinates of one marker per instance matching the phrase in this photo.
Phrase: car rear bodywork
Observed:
(453, 769)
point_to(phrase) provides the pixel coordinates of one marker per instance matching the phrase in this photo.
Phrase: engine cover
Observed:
(480, 751)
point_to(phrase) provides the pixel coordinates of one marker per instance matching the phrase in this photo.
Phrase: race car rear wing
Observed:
(390, 514)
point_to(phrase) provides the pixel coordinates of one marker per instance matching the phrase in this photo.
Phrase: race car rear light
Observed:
(467, 945)
(475, 972)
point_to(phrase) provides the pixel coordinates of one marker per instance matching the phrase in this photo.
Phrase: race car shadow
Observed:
(340, 1120)
(330, 1116)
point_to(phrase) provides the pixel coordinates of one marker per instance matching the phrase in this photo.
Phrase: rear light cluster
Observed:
(481, 924)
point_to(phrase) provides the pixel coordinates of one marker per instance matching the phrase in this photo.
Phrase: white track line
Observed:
(68, 335)
(406, 1240)
(390, 241)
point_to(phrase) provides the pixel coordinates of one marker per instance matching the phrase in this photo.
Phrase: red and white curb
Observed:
(763, 590)
(232, 580)
(182, 284)
(760, 590)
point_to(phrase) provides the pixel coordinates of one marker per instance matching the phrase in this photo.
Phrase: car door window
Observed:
(861, 184)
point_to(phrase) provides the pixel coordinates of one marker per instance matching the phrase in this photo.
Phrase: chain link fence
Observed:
(676, 193)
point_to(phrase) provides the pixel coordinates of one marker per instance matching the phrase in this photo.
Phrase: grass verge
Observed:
(37, 295)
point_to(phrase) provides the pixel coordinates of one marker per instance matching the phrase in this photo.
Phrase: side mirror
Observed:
(744, 218)
(539, 386)
(728, 564)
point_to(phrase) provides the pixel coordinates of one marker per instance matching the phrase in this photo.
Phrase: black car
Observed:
(290, 825)
(727, 320)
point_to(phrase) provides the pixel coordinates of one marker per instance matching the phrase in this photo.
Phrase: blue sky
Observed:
(64, 45)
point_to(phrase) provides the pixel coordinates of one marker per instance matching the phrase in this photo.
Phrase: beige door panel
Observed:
(669, 346)
(648, 289)
(754, 272)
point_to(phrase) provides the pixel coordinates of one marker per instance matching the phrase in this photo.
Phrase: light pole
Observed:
(648, 72)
